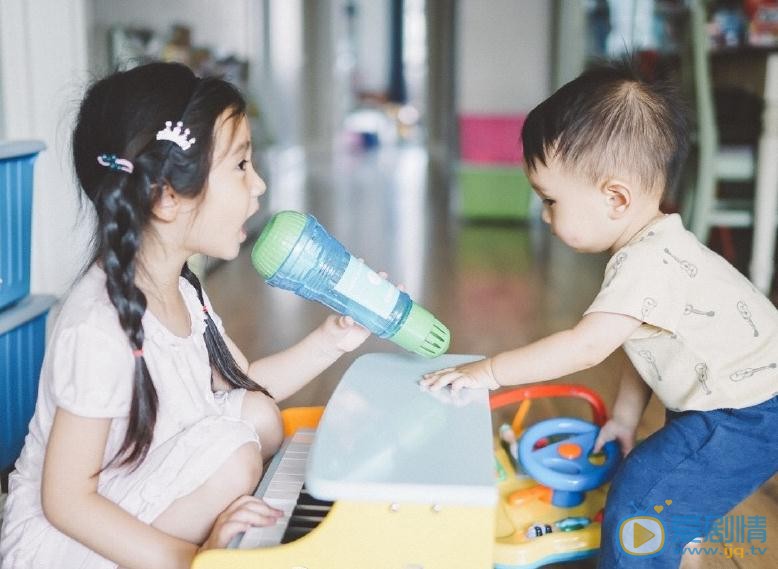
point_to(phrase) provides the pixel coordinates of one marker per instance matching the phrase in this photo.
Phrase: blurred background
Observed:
(397, 123)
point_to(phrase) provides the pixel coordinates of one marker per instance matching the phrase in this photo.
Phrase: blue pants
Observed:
(705, 463)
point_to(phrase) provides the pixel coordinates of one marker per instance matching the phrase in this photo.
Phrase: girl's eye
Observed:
(243, 164)
(548, 202)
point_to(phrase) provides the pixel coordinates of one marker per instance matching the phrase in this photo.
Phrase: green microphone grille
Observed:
(276, 241)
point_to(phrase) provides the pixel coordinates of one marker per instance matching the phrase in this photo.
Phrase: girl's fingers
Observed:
(347, 322)
(253, 518)
(263, 508)
(385, 275)
(240, 502)
(252, 504)
(225, 532)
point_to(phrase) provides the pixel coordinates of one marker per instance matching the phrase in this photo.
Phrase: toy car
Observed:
(552, 489)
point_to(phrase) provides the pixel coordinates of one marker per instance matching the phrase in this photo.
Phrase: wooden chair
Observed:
(713, 163)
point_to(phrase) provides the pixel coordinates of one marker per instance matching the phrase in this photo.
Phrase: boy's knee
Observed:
(262, 412)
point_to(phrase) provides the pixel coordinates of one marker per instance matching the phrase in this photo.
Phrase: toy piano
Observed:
(392, 477)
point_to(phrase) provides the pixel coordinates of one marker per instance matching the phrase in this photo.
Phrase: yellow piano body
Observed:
(411, 475)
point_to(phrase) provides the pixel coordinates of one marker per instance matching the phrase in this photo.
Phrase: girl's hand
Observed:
(239, 516)
(619, 431)
(342, 334)
(473, 375)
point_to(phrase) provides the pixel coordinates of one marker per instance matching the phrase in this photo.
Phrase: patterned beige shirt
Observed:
(709, 339)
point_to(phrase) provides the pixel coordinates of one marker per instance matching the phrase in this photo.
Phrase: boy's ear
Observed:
(618, 196)
(167, 204)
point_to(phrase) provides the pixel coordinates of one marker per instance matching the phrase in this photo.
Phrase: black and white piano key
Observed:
(280, 488)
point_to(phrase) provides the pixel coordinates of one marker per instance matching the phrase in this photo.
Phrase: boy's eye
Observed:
(243, 164)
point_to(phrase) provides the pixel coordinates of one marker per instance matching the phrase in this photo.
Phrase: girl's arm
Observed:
(286, 372)
(72, 505)
(587, 344)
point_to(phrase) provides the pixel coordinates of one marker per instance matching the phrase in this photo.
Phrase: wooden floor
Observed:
(496, 286)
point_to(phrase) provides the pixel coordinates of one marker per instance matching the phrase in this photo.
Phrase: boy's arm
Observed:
(633, 396)
(631, 401)
(585, 345)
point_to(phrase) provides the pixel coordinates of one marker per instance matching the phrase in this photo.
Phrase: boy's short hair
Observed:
(610, 122)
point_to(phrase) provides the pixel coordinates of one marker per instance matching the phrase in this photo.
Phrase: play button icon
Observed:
(641, 535)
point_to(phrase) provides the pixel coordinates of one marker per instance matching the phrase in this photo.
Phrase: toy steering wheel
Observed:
(564, 465)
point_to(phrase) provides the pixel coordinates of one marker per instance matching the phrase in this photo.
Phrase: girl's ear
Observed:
(167, 204)
(618, 198)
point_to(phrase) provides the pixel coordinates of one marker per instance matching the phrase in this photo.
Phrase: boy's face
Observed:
(579, 212)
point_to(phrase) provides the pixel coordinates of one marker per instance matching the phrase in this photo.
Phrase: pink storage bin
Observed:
(490, 139)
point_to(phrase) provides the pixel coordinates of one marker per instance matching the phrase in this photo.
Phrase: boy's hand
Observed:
(342, 334)
(619, 431)
(472, 375)
(239, 516)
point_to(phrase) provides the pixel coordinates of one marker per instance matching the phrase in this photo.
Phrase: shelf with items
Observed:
(16, 171)
(22, 315)
(22, 341)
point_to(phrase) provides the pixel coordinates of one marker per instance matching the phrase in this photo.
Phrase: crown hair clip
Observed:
(176, 135)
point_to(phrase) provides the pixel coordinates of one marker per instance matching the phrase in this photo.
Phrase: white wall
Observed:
(43, 70)
(372, 45)
(503, 55)
(285, 71)
(571, 43)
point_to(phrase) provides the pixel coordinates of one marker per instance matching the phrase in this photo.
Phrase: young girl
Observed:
(151, 426)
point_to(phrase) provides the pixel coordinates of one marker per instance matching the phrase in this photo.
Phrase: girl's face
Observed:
(576, 210)
(230, 195)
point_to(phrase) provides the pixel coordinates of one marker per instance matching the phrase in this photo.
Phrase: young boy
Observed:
(600, 152)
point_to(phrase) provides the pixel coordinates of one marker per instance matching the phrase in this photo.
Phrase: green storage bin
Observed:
(493, 192)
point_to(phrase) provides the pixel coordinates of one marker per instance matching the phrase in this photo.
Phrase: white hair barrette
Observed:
(114, 163)
(177, 135)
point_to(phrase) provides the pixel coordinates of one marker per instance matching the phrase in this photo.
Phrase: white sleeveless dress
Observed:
(87, 370)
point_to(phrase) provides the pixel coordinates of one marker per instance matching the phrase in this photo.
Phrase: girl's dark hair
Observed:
(611, 122)
(121, 115)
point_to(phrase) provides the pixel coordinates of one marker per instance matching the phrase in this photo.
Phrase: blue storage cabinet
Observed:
(22, 342)
(16, 165)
